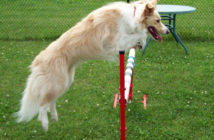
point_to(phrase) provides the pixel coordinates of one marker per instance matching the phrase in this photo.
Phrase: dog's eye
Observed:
(158, 21)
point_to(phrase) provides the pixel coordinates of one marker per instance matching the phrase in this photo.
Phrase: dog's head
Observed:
(151, 20)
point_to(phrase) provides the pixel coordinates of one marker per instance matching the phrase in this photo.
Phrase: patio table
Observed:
(168, 13)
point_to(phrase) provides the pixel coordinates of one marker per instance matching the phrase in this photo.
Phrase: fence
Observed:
(48, 19)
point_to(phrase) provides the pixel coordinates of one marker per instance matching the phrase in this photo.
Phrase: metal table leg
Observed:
(179, 40)
(147, 43)
(175, 35)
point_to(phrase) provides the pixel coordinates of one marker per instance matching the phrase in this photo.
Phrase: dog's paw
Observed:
(55, 118)
(138, 46)
(45, 126)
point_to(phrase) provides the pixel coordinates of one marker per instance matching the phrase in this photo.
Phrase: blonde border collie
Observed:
(100, 35)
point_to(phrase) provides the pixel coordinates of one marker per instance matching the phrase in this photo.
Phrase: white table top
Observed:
(174, 9)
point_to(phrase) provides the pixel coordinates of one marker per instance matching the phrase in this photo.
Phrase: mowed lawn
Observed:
(179, 87)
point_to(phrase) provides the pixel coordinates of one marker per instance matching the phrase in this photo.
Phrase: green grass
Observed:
(46, 19)
(179, 87)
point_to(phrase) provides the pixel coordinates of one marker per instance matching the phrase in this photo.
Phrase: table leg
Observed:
(147, 43)
(178, 39)
(175, 35)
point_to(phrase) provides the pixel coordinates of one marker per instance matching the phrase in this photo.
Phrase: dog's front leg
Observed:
(128, 40)
(141, 43)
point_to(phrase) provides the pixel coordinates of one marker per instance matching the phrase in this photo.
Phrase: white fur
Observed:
(130, 30)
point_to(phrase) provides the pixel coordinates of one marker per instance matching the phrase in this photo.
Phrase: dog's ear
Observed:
(154, 2)
(149, 9)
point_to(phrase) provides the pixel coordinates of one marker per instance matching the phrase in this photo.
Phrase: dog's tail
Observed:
(30, 102)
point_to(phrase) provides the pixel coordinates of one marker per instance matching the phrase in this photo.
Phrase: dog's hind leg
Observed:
(71, 76)
(72, 73)
(39, 116)
(53, 110)
(44, 117)
(49, 100)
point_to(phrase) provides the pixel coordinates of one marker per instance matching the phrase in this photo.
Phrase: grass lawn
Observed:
(179, 87)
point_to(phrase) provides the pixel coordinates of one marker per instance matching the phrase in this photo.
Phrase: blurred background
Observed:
(48, 19)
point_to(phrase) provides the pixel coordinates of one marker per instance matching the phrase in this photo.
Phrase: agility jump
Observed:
(126, 85)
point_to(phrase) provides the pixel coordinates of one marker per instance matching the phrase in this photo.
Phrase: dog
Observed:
(100, 35)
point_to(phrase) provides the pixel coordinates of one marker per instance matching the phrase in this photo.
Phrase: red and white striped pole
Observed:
(129, 74)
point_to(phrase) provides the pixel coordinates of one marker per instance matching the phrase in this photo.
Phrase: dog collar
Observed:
(134, 10)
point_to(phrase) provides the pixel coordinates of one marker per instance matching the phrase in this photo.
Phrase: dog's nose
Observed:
(167, 31)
